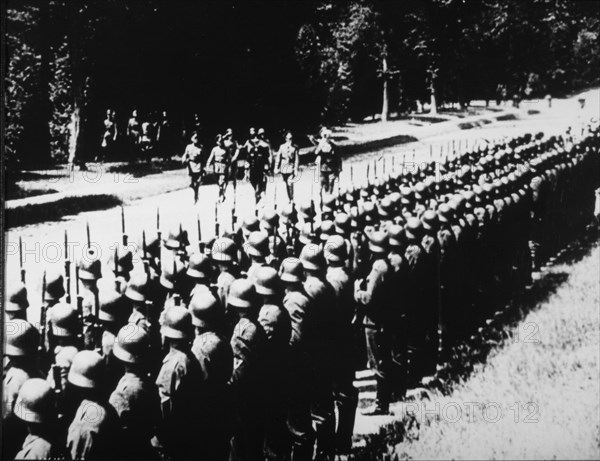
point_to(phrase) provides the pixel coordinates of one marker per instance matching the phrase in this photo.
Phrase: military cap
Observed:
(419, 190)
(205, 309)
(131, 344)
(413, 228)
(199, 267)
(395, 235)
(312, 257)
(257, 244)
(17, 298)
(65, 355)
(242, 294)
(176, 323)
(112, 305)
(224, 250)
(21, 338)
(335, 249)
(35, 402)
(395, 198)
(55, 286)
(267, 281)
(261, 131)
(65, 320)
(87, 370)
(291, 270)
(355, 217)
(250, 223)
(378, 242)
(90, 269)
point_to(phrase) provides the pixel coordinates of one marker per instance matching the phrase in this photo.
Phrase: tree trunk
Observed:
(386, 97)
(76, 127)
(45, 76)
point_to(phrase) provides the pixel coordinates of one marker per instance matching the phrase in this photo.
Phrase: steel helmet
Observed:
(171, 274)
(138, 287)
(224, 250)
(378, 242)
(270, 220)
(257, 244)
(205, 309)
(121, 260)
(35, 402)
(335, 249)
(21, 338)
(342, 223)
(87, 370)
(131, 344)
(395, 236)
(112, 305)
(326, 229)
(90, 269)
(176, 323)
(55, 286)
(17, 298)
(312, 257)
(65, 320)
(413, 228)
(242, 294)
(291, 270)
(267, 281)
(199, 267)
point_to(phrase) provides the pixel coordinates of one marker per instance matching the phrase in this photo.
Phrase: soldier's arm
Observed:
(374, 281)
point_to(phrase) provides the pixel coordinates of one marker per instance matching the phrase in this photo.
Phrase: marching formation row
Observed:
(247, 347)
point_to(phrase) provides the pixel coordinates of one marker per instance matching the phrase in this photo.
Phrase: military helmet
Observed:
(65, 320)
(306, 210)
(250, 224)
(444, 213)
(369, 213)
(288, 212)
(312, 257)
(138, 287)
(87, 370)
(342, 223)
(21, 338)
(175, 238)
(307, 234)
(176, 323)
(257, 244)
(395, 235)
(430, 220)
(131, 344)
(242, 294)
(270, 220)
(335, 249)
(385, 208)
(35, 402)
(55, 286)
(199, 267)
(65, 355)
(172, 274)
(90, 269)
(224, 250)
(378, 242)
(291, 270)
(17, 298)
(121, 260)
(326, 229)
(205, 309)
(413, 228)
(112, 305)
(267, 281)
(328, 204)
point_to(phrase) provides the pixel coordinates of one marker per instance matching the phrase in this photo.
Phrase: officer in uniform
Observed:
(193, 157)
(110, 135)
(328, 161)
(287, 161)
(224, 255)
(219, 156)
(134, 134)
(259, 164)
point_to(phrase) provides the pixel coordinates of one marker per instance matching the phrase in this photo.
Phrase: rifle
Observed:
(351, 174)
(200, 243)
(43, 312)
(217, 225)
(233, 220)
(67, 269)
(158, 233)
(116, 270)
(79, 305)
(124, 235)
(97, 326)
(275, 195)
(144, 245)
(368, 170)
(21, 260)
(87, 233)
(58, 389)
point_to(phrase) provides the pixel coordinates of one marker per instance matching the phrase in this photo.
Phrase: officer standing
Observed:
(287, 161)
(219, 156)
(133, 134)
(110, 135)
(328, 160)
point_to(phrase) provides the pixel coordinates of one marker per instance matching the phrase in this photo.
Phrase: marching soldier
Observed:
(193, 158)
(328, 161)
(133, 134)
(224, 255)
(109, 137)
(219, 156)
(287, 161)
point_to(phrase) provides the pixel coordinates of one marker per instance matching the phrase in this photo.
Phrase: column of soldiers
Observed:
(245, 347)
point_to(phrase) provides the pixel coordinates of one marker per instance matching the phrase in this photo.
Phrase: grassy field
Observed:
(536, 396)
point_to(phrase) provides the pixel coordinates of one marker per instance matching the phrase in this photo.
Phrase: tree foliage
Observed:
(284, 64)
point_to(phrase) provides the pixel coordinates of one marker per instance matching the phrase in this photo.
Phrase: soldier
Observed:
(328, 160)
(147, 139)
(193, 158)
(20, 364)
(224, 255)
(65, 328)
(232, 149)
(121, 263)
(94, 429)
(259, 164)
(110, 135)
(345, 394)
(287, 161)
(177, 382)
(298, 306)
(373, 295)
(322, 297)
(248, 343)
(220, 157)
(89, 272)
(36, 406)
(214, 354)
(134, 134)
(199, 273)
(16, 303)
(276, 323)
(257, 249)
(135, 398)
(270, 225)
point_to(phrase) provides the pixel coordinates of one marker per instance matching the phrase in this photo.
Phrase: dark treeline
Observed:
(276, 64)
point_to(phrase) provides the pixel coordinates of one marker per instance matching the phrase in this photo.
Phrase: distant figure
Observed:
(287, 161)
(146, 143)
(165, 136)
(133, 134)
(193, 157)
(109, 137)
(232, 148)
(259, 161)
(219, 157)
(245, 152)
(328, 161)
